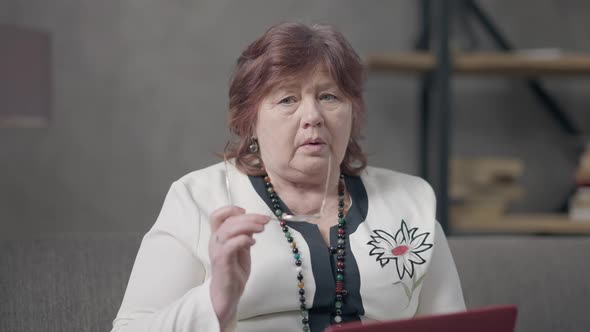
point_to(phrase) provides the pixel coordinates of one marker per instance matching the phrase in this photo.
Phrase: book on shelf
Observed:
(482, 189)
(579, 207)
(486, 170)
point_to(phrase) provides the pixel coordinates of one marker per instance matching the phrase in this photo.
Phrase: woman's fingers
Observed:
(220, 215)
(247, 224)
(229, 251)
(238, 242)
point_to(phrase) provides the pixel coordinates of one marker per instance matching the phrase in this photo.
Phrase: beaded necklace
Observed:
(339, 251)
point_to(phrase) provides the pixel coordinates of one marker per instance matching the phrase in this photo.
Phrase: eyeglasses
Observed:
(285, 216)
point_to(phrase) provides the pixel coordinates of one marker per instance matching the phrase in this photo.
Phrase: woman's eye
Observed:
(288, 100)
(328, 97)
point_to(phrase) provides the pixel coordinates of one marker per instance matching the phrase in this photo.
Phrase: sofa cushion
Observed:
(67, 282)
(75, 282)
(548, 278)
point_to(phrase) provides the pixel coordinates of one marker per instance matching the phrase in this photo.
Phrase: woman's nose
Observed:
(312, 114)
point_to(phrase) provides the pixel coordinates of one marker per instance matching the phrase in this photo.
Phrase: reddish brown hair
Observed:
(284, 51)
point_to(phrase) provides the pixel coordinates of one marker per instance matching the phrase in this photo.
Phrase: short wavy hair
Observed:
(284, 51)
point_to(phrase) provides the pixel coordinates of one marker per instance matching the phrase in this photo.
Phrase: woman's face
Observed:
(300, 123)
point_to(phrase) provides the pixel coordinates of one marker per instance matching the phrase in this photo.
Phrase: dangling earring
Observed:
(254, 145)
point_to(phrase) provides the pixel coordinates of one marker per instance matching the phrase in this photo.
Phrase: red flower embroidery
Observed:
(400, 250)
(404, 248)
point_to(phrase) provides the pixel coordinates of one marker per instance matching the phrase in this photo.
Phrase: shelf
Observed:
(15, 121)
(524, 224)
(513, 64)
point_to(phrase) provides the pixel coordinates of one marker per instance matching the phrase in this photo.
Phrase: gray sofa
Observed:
(75, 282)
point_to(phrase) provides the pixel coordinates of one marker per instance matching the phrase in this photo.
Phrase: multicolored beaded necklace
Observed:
(340, 291)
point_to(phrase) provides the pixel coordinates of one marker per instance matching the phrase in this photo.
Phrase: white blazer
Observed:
(397, 262)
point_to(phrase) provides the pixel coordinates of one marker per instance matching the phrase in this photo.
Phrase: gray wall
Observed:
(140, 95)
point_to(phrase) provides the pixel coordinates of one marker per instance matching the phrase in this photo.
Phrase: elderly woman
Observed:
(293, 232)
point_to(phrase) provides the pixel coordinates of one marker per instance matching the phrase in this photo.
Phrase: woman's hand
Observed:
(229, 251)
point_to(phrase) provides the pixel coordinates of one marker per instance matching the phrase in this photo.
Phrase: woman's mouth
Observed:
(311, 147)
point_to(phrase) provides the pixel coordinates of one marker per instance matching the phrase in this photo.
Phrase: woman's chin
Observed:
(312, 164)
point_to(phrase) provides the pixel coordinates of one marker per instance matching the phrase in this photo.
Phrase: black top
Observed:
(323, 262)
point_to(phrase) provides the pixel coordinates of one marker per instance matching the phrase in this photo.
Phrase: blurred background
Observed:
(137, 97)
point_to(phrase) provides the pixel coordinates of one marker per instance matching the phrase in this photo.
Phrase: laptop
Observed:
(489, 319)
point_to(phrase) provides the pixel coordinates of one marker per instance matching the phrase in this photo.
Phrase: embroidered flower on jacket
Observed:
(404, 248)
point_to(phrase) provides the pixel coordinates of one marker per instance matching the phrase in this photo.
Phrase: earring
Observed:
(254, 145)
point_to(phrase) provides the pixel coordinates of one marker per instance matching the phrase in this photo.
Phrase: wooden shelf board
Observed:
(524, 224)
(15, 121)
(482, 63)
